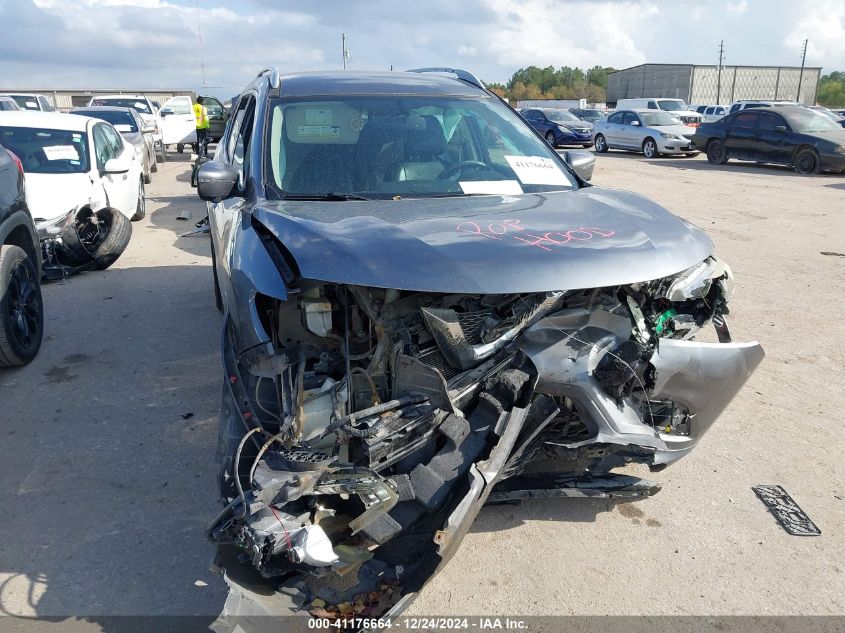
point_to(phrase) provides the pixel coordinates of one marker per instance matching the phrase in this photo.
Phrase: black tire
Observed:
(550, 138)
(98, 238)
(806, 162)
(162, 158)
(218, 298)
(650, 149)
(147, 180)
(600, 144)
(141, 205)
(154, 165)
(717, 153)
(179, 147)
(21, 307)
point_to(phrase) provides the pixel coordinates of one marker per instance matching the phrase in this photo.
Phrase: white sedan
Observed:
(652, 132)
(84, 183)
(74, 161)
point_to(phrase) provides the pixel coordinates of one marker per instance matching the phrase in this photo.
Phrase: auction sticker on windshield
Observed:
(537, 170)
(61, 152)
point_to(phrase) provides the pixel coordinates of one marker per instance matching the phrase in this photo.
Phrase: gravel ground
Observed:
(107, 476)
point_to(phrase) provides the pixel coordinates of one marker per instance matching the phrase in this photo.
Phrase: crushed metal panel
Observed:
(788, 513)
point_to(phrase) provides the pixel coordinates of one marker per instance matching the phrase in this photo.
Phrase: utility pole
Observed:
(344, 51)
(801, 75)
(199, 35)
(719, 78)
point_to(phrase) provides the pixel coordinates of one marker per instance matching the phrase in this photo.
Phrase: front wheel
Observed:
(21, 307)
(806, 162)
(717, 153)
(98, 238)
(600, 144)
(141, 204)
(650, 148)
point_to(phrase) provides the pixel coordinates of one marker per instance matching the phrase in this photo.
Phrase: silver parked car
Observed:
(132, 127)
(651, 132)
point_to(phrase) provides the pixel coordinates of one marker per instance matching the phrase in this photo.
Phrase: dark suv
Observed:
(21, 307)
(421, 297)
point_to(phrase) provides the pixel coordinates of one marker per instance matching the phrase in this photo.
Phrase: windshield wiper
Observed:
(323, 196)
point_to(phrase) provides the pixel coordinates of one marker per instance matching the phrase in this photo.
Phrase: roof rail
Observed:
(463, 75)
(273, 72)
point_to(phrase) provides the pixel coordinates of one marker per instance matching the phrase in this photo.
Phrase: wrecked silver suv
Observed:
(427, 308)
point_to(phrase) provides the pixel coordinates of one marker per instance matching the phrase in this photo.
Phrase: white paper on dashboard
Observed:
(122, 127)
(537, 170)
(492, 187)
(61, 152)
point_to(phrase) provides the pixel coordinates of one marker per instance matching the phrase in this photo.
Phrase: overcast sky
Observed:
(151, 44)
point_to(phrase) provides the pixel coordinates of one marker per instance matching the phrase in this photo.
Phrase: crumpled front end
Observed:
(364, 433)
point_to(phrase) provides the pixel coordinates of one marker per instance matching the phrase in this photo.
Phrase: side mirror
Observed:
(216, 181)
(165, 111)
(583, 162)
(780, 128)
(119, 164)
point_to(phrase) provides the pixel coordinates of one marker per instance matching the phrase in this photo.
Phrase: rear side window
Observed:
(745, 120)
(615, 118)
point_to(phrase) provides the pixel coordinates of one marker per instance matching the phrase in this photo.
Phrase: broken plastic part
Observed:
(452, 340)
(311, 546)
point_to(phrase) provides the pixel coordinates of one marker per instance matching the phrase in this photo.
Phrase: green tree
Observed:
(831, 91)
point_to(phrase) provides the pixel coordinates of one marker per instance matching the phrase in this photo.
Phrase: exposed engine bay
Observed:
(365, 436)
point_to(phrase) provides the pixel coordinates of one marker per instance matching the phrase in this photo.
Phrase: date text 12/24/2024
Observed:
(422, 623)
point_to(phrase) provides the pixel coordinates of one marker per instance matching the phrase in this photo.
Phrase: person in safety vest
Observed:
(201, 115)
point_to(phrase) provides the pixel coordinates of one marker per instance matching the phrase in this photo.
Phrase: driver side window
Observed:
(103, 147)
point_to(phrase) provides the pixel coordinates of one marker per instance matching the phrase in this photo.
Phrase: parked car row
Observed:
(69, 186)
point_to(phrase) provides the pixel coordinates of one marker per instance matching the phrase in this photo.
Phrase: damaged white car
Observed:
(427, 308)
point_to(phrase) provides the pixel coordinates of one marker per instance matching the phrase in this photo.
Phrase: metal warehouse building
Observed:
(700, 84)
(65, 99)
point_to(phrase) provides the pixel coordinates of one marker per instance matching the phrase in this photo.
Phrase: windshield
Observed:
(560, 115)
(591, 115)
(657, 119)
(47, 151)
(26, 102)
(830, 114)
(122, 120)
(671, 105)
(806, 120)
(140, 106)
(387, 146)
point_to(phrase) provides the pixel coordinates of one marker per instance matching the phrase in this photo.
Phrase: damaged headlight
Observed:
(695, 282)
(51, 228)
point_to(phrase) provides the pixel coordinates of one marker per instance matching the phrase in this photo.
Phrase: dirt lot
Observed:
(107, 479)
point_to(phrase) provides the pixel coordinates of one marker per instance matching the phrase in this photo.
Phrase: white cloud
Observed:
(153, 43)
(823, 23)
(738, 7)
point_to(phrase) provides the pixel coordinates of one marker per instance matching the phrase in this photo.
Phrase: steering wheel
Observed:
(456, 169)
